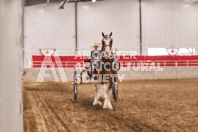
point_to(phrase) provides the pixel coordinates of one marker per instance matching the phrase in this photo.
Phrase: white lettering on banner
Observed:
(144, 67)
(121, 77)
(43, 74)
(125, 66)
(159, 68)
(136, 68)
(133, 54)
(60, 69)
(48, 62)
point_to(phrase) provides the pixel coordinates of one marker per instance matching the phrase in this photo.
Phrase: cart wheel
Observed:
(75, 92)
(115, 92)
(75, 85)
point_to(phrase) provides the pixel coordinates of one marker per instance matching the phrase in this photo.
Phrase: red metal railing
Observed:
(71, 61)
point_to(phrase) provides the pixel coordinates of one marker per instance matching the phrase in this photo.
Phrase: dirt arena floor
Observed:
(155, 105)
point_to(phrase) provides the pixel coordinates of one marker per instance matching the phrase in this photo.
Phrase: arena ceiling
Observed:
(37, 2)
(189, 1)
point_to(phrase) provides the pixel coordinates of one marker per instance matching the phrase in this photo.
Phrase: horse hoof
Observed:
(94, 103)
(100, 103)
(97, 103)
(108, 107)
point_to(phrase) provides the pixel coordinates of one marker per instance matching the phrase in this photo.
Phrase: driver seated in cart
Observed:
(94, 57)
(95, 53)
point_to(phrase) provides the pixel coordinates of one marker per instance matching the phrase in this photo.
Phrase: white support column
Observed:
(10, 82)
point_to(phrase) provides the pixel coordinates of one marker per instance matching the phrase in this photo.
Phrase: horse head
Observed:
(107, 42)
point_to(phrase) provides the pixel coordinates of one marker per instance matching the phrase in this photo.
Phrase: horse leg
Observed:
(97, 95)
(81, 79)
(97, 91)
(107, 103)
(102, 90)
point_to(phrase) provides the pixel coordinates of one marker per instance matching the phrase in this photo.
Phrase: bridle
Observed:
(104, 45)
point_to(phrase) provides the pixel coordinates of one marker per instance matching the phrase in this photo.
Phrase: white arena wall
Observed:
(118, 16)
(47, 26)
(169, 22)
(167, 73)
(164, 23)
